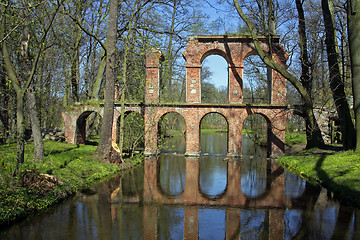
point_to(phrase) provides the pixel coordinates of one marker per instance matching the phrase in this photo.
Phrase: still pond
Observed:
(208, 197)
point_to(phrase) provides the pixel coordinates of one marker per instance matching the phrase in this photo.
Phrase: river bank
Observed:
(65, 170)
(336, 170)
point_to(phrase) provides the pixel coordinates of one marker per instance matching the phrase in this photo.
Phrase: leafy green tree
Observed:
(20, 82)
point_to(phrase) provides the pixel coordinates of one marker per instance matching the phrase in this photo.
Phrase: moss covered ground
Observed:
(66, 169)
(338, 171)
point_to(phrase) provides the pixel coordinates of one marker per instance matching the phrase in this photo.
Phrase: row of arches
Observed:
(241, 69)
(255, 126)
(172, 123)
(272, 120)
(255, 82)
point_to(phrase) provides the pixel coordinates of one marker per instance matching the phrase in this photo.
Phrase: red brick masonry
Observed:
(234, 49)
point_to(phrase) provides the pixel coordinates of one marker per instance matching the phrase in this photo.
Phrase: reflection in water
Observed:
(292, 222)
(294, 185)
(214, 219)
(253, 224)
(213, 176)
(172, 174)
(212, 143)
(171, 221)
(173, 198)
(253, 176)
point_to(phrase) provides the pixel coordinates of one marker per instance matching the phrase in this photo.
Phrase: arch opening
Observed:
(295, 130)
(134, 134)
(255, 140)
(214, 134)
(88, 126)
(214, 80)
(171, 133)
(257, 78)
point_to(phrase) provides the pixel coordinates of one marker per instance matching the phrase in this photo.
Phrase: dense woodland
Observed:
(55, 53)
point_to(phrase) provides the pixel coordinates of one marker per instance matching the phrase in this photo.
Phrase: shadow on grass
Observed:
(345, 194)
(54, 152)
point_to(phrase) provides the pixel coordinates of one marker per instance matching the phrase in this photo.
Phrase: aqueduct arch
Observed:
(234, 49)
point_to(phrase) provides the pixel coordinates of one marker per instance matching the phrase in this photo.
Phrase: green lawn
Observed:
(292, 138)
(73, 167)
(339, 172)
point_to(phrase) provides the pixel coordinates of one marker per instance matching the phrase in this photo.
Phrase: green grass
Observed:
(338, 172)
(74, 168)
(292, 138)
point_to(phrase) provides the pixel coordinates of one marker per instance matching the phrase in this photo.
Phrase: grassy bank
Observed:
(66, 169)
(339, 172)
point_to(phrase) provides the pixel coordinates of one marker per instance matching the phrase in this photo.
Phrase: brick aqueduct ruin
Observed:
(234, 49)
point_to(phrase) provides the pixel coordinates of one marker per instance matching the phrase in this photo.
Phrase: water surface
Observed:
(206, 197)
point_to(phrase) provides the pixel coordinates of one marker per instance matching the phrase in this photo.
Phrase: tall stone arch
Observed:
(234, 49)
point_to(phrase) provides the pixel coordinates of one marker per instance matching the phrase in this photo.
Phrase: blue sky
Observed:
(219, 68)
(217, 64)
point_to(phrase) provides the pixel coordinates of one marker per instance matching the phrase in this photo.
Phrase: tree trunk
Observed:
(74, 64)
(20, 127)
(313, 132)
(105, 145)
(353, 14)
(4, 101)
(336, 83)
(306, 77)
(35, 123)
(99, 78)
(31, 100)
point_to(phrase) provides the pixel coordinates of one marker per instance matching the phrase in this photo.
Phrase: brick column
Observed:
(234, 135)
(153, 59)
(193, 84)
(70, 126)
(235, 84)
(278, 89)
(192, 134)
(151, 130)
(276, 135)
